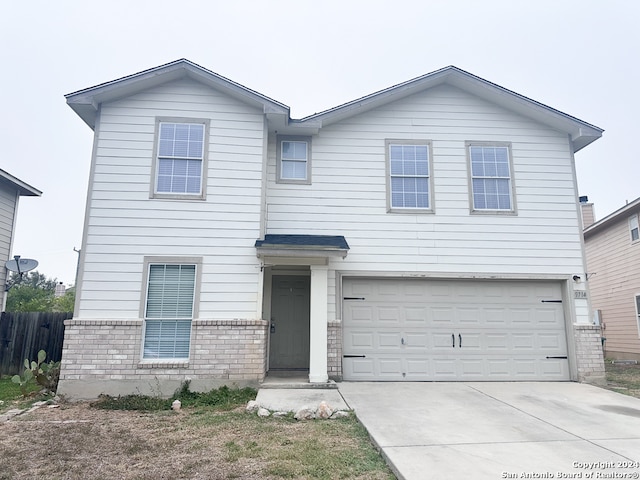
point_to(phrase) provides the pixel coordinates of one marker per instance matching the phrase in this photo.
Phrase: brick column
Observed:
(589, 357)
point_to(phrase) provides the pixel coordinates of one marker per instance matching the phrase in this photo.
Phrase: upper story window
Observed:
(491, 178)
(409, 175)
(181, 158)
(294, 160)
(633, 228)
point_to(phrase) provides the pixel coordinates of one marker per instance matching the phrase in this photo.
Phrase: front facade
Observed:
(11, 189)
(612, 247)
(430, 231)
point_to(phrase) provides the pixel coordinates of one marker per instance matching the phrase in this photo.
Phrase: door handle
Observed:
(460, 340)
(453, 340)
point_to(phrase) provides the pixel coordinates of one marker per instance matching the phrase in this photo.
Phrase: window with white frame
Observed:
(169, 311)
(180, 158)
(409, 176)
(491, 182)
(633, 228)
(294, 160)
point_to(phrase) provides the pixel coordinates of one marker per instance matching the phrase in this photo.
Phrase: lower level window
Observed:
(169, 311)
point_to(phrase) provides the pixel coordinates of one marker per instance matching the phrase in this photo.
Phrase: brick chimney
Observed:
(588, 215)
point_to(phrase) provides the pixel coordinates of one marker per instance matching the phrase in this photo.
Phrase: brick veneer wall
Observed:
(334, 350)
(589, 357)
(103, 356)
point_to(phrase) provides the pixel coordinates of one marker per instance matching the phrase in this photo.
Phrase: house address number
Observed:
(580, 294)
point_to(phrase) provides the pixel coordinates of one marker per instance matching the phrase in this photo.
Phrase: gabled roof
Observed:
(582, 133)
(613, 218)
(23, 188)
(85, 102)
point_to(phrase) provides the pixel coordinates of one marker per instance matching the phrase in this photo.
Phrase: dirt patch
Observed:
(79, 442)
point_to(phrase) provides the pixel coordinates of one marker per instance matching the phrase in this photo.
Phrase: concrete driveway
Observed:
(500, 430)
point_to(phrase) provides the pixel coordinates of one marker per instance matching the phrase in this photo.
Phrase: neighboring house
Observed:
(11, 189)
(612, 247)
(429, 231)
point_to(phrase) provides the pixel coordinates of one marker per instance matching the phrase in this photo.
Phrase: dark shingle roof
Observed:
(313, 241)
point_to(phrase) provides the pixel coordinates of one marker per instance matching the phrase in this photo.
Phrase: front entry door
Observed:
(289, 347)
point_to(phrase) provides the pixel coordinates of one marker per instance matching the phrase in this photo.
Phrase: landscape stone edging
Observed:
(322, 412)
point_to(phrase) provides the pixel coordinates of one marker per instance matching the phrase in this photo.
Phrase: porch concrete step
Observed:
(295, 384)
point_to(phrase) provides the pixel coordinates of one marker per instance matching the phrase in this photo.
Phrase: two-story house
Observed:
(428, 231)
(612, 247)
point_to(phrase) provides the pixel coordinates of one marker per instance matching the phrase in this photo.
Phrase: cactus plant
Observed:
(44, 374)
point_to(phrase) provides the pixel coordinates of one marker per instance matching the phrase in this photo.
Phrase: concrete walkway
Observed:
(500, 430)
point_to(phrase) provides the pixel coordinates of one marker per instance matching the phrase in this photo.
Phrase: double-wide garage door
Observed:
(469, 330)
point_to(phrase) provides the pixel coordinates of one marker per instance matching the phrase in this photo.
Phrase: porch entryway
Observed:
(297, 308)
(289, 325)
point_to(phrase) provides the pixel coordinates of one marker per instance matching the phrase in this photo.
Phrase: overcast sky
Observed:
(578, 56)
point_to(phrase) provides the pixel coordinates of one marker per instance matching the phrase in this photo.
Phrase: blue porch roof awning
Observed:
(303, 245)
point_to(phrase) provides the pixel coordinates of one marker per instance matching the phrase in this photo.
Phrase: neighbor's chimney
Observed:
(60, 290)
(588, 217)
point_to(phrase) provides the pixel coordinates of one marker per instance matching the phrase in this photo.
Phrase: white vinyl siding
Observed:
(490, 177)
(350, 194)
(409, 176)
(8, 205)
(633, 228)
(180, 158)
(123, 226)
(169, 311)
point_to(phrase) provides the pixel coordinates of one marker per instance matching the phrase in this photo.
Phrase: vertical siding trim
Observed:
(87, 212)
(584, 273)
(11, 235)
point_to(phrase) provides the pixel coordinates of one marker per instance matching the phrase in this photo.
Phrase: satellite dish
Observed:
(21, 265)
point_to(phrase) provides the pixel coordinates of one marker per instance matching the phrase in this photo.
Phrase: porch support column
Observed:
(318, 325)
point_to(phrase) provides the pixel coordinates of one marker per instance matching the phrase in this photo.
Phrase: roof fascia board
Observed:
(23, 188)
(582, 133)
(85, 102)
(613, 218)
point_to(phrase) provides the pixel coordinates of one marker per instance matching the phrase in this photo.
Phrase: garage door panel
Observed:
(403, 330)
(472, 369)
(467, 316)
(389, 340)
(359, 314)
(442, 315)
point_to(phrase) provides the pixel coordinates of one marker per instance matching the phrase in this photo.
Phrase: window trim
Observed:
(153, 193)
(410, 210)
(631, 228)
(512, 181)
(153, 260)
(293, 138)
(635, 298)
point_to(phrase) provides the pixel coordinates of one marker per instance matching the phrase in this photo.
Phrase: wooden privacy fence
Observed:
(22, 335)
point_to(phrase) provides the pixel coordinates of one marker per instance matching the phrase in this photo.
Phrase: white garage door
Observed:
(469, 330)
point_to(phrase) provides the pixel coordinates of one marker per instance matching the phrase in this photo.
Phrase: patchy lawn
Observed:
(623, 378)
(77, 441)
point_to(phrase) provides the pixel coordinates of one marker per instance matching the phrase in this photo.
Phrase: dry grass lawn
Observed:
(76, 441)
(623, 378)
